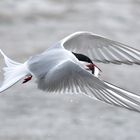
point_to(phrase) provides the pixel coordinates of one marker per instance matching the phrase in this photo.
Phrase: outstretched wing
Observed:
(101, 49)
(68, 77)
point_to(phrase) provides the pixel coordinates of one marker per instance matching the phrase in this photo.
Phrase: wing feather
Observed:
(101, 49)
(69, 77)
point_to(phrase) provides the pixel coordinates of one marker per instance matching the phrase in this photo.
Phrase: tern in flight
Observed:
(69, 67)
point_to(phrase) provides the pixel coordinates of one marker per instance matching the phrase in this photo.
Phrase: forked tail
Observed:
(13, 72)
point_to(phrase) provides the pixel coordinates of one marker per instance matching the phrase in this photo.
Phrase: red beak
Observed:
(92, 66)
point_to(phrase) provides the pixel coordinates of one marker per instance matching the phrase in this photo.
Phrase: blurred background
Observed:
(28, 27)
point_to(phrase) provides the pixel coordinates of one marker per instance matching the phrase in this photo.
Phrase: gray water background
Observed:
(28, 27)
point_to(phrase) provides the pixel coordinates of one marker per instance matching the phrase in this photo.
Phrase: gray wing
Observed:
(69, 77)
(101, 49)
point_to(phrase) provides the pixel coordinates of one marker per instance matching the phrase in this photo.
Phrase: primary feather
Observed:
(101, 49)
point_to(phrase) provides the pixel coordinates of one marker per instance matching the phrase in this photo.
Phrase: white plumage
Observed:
(59, 70)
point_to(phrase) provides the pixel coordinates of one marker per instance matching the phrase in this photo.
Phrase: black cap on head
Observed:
(82, 57)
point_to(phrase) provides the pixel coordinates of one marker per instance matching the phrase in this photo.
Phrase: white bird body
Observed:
(71, 71)
(48, 60)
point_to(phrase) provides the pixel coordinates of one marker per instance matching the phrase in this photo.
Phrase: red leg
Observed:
(28, 78)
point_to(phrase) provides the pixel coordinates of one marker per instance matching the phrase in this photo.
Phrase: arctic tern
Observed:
(69, 67)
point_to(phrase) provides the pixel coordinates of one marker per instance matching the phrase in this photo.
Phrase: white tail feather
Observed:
(13, 72)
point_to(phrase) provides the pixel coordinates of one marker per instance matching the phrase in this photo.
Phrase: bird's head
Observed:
(89, 64)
